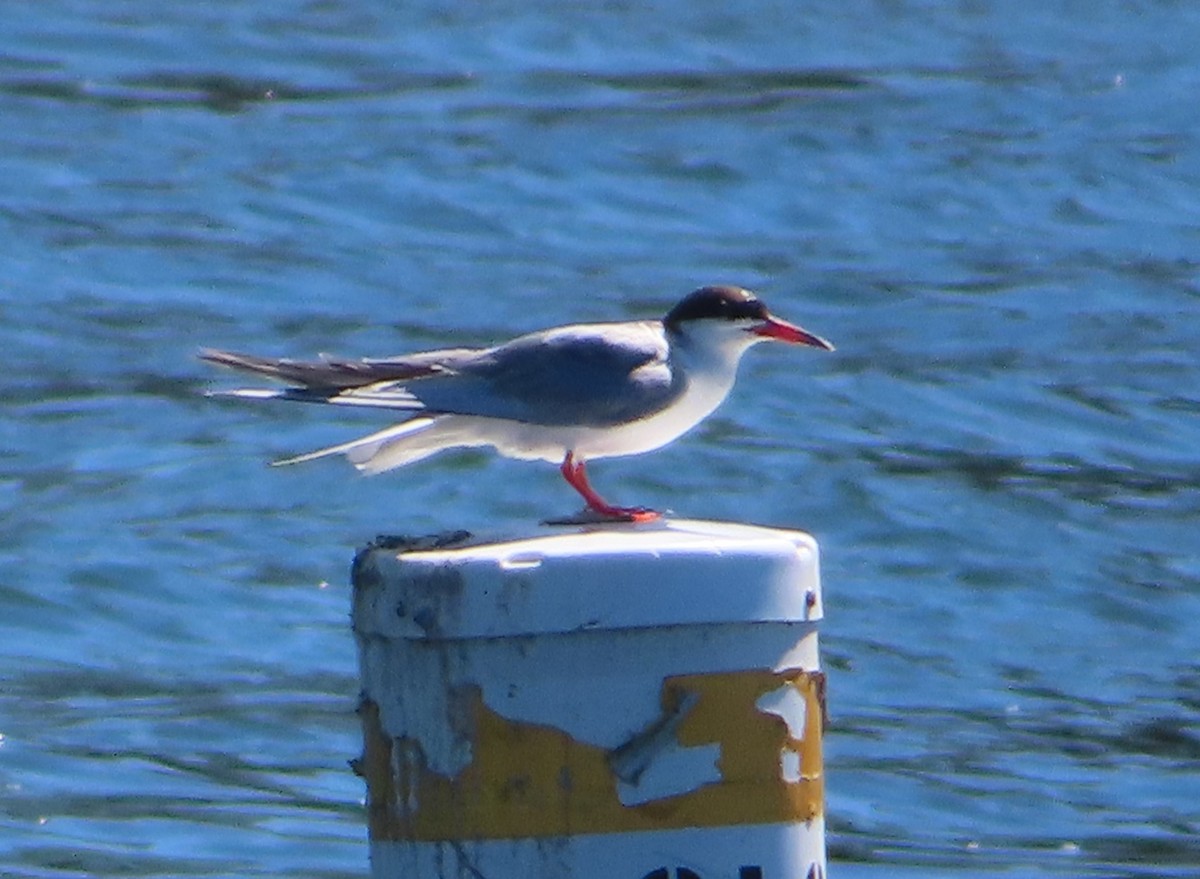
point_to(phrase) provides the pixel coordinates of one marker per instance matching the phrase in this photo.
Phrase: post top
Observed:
(572, 578)
(618, 538)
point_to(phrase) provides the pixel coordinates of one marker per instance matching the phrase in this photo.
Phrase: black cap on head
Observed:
(716, 303)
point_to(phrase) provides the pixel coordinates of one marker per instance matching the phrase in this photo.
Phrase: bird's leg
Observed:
(573, 471)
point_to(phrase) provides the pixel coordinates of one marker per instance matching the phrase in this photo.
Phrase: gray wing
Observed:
(595, 375)
(332, 374)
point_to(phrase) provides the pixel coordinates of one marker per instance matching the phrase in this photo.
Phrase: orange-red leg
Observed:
(576, 475)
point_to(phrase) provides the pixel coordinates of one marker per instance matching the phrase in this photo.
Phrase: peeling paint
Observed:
(793, 708)
(534, 780)
(675, 771)
(631, 759)
(790, 766)
(651, 765)
(786, 702)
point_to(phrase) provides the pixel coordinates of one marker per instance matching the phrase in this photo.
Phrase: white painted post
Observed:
(594, 703)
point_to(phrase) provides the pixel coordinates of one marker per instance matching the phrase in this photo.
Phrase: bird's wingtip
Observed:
(210, 355)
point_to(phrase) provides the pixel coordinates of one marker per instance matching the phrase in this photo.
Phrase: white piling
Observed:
(594, 703)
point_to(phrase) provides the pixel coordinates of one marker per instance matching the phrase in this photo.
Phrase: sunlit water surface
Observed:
(992, 209)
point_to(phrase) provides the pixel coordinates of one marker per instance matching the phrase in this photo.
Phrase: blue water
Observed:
(992, 209)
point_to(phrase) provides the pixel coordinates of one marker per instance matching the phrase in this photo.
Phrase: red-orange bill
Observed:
(774, 328)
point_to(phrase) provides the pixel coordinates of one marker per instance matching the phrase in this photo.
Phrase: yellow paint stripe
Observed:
(528, 780)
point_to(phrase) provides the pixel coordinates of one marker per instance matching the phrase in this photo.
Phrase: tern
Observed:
(565, 395)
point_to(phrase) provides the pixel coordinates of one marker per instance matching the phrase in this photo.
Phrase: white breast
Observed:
(710, 371)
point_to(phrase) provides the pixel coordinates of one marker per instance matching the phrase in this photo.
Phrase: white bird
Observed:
(565, 395)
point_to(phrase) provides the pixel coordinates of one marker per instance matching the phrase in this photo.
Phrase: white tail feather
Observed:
(365, 448)
(399, 444)
(438, 433)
